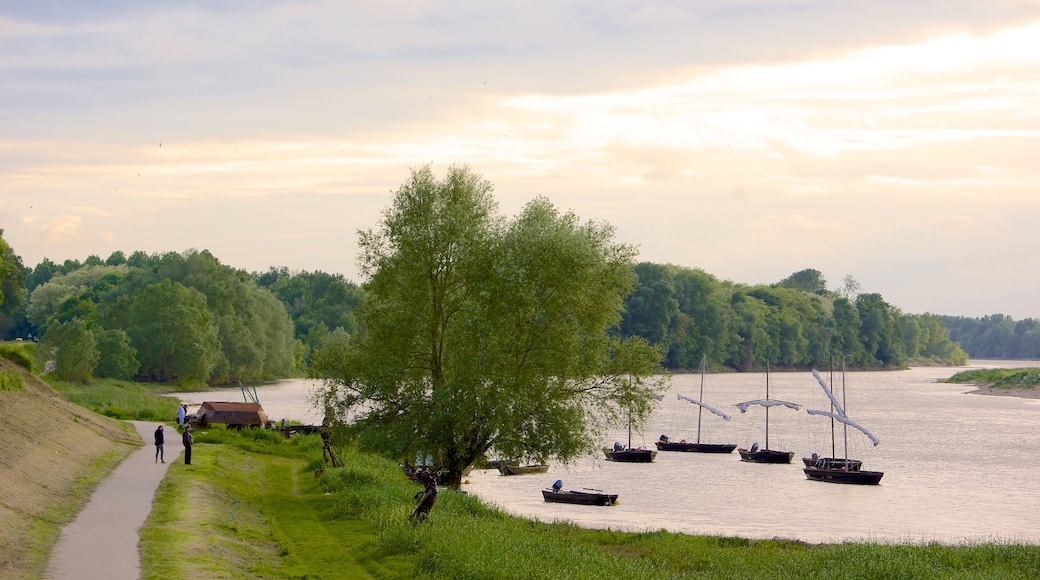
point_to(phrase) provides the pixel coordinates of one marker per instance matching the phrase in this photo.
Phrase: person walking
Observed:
(187, 440)
(182, 412)
(159, 441)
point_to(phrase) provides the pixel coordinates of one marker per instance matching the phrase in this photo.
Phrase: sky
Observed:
(894, 141)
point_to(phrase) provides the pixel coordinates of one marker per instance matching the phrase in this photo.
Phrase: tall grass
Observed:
(121, 399)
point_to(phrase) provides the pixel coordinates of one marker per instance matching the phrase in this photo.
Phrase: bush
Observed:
(21, 354)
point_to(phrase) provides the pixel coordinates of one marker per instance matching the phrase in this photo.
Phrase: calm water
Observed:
(957, 467)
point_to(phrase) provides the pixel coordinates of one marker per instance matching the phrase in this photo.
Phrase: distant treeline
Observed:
(795, 323)
(996, 336)
(187, 317)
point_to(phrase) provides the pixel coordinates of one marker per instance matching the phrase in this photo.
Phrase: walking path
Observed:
(102, 541)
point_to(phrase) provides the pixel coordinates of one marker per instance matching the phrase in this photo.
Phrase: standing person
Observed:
(187, 440)
(182, 412)
(159, 441)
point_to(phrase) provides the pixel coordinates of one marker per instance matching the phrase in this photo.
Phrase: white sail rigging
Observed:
(847, 421)
(704, 405)
(830, 395)
(767, 403)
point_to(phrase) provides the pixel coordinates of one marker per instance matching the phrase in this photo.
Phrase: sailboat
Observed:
(663, 444)
(766, 455)
(834, 469)
(627, 454)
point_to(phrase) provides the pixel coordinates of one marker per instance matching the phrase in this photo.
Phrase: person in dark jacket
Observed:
(187, 440)
(159, 441)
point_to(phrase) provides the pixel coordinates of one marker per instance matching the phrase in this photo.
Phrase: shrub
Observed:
(10, 380)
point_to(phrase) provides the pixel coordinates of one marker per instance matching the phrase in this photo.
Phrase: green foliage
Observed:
(1024, 378)
(20, 352)
(121, 399)
(795, 323)
(996, 336)
(173, 333)
(72, 347)
(10, 380)
(12, 288)
(477, 333)
(116, 358)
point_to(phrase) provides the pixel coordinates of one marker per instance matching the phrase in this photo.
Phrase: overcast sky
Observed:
(898, 142)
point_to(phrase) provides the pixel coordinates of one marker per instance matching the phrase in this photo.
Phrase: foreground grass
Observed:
(1006, 379)
(118, 399)
(251, 508)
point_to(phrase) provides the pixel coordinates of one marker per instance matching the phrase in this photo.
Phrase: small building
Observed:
(231, 414)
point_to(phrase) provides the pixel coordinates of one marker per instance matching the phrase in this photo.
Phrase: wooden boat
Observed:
(628, 454)
(839, 469)
(511, 469)
(664, 444)
(588, 497)
(766, 455)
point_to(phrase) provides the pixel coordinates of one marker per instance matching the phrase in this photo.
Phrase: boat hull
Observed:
(579, 497)
(522, 469)
(835, 463)
(696, 447)
(630, 455)
(839, 476)
(765, 456)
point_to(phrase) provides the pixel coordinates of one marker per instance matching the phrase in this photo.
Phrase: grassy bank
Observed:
(124, 400)
(1003, 379)
(252, 508)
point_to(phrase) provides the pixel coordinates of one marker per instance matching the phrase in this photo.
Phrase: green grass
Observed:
(1023, 378)
(124, 400)
(19, 351)
(252, 508)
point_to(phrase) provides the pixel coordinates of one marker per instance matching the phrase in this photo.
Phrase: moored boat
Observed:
(511, 469)
(664, 444)
(556, 494)
(766, 455)
(839, 469)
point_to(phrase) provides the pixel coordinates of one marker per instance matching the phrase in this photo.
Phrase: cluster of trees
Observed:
(997, 336)
(164, 317)
(794, 323)
(320, 305)
(479, 333)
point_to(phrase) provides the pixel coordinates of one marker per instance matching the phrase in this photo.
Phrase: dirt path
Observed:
(102, 541)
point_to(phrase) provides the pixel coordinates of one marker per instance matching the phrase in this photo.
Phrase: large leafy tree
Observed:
(479, 334)
(173, 333)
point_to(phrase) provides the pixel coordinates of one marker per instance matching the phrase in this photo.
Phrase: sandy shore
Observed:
(1023, 393)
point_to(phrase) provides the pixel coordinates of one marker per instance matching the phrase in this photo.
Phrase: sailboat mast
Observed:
(700, 409)
(767, 408)
(834, 453)
(845, 428)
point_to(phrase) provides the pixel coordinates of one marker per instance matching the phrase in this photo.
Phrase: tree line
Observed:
(996, 336)
(187, 317)
(794, 323)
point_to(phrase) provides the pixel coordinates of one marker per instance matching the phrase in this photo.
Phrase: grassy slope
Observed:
(52, 454)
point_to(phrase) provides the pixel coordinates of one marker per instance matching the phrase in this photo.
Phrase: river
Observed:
(958, 467)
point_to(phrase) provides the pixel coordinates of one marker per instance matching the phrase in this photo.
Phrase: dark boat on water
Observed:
(767, 455)
(664, 444)
(839, 469)
(623, 454)
(589, 497)
(512, 469)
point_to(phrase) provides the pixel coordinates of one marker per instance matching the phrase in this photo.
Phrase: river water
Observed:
(958, 467)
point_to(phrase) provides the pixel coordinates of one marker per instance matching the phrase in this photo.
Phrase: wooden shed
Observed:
(231, 414)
